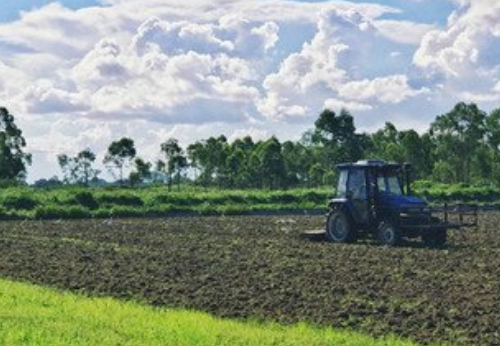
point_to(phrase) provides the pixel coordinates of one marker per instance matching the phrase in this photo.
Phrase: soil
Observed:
(258, 267)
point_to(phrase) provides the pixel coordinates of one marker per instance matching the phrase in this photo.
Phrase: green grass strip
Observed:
(33, 315)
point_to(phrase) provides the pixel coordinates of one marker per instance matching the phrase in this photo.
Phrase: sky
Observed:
(81, 74)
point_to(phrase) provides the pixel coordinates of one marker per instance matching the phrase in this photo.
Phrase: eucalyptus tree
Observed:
(13, 158)
(119, 157)
(78, 169)
(176, 161)
(459, 136)
(141, 172)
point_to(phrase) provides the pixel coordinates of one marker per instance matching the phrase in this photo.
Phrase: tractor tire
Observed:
(437, 238)
(389, 234)
(339, 228)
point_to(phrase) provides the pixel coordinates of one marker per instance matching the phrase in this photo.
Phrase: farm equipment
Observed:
(374, 199)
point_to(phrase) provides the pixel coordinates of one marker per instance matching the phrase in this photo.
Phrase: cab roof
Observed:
(372, 164)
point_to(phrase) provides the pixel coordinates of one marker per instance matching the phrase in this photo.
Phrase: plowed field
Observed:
(259, 268)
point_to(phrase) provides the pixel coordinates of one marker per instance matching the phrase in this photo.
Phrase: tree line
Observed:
(461, 146)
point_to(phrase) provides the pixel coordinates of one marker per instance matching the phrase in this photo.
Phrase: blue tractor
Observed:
(374, 199)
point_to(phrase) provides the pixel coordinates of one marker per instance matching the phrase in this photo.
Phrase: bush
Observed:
(120, 199)
(184, 200)
(86, 199)
(3, 213)
(124, 211)
(19, 202)
(56, 212)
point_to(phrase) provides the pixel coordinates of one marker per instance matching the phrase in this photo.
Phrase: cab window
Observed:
(357, 184)
(389, 184)
(342, 187)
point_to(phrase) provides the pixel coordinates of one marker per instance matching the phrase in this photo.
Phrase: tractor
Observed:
(374, 199)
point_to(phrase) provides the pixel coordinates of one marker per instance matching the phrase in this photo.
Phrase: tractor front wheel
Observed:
(388, 234)
(339, 228)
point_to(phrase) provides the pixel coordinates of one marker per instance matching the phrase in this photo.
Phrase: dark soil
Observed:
(259, 268)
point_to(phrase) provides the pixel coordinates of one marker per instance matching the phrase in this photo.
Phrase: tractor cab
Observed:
(374, 198)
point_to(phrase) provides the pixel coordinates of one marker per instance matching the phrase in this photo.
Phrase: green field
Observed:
(78, 202)
(74, 202)
(32, 315)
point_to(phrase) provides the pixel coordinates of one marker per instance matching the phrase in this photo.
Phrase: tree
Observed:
(13, 159)
(210, 157)
(195, 154)
(216, 158)
(418, 151)
(272, 165)
(337, 134)
(458, 136)
(403, 146)
(492, 155)
(330, 128)
(176, 161)
(141, 173)
(237, 162)
(299, 159)
(158, 173)
(120, 154)
(78, 169)
(48, 183)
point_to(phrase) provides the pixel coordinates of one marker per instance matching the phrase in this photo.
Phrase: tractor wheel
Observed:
(436, 239)
(339, 228)
(388, 234)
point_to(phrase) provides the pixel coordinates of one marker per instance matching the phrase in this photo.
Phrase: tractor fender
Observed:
(340, 204)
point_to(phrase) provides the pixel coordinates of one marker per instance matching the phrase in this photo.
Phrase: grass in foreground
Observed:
(32, 315)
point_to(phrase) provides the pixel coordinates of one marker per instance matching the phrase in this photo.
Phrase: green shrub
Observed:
(3, 213)
(125, 211)
(120, 199)
(21, 202)
(61, 212)
(284, 198)
(86, 199)
(175, 199)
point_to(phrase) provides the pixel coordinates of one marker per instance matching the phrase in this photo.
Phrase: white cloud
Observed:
(496, 88)
(337, 105)
(255, 133)
(232, 35)
(45, 98)
(460, 62)
(392, 89)
(469, 42)
(179, 37)
(11, 80)
(327, 69)
(269, 10)
(102, 65)
(403, 31)
(151, 59)
(52, 29)
(112, 81)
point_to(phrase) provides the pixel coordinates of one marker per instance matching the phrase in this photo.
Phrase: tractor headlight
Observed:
(405, 212)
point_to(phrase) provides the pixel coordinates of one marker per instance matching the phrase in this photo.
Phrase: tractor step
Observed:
(313, 235)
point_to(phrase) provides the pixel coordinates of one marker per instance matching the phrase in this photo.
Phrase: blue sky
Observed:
(11, 9)
(78, 74)
(430, 12)
(427, 11)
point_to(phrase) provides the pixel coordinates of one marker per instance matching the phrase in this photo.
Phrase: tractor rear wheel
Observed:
(339, 228)
(388, 234)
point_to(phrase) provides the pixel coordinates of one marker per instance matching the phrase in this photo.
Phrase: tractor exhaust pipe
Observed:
(407, 177)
